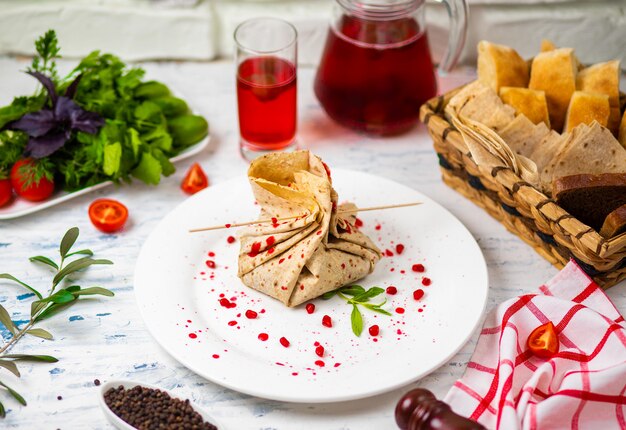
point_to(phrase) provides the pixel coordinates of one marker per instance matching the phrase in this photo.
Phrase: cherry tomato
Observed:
(108, 215)
(6, 192)
(195, 180)
(23, 181)
(543, 341)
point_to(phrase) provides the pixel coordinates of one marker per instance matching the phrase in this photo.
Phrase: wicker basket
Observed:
(525, 211)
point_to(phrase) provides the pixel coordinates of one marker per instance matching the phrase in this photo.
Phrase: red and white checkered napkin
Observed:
(582, 387)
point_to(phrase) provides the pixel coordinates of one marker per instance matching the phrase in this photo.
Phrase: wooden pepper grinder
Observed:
(419, 409)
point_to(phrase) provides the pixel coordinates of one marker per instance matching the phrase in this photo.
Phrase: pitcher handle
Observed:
(457, 11)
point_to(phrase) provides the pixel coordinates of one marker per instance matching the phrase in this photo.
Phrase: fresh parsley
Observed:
(357, 296)
(59, 297)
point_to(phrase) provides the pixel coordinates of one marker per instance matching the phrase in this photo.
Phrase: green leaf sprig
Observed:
(357, 296)
(58, 298)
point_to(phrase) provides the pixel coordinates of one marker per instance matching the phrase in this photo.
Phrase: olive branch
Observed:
(59, 297)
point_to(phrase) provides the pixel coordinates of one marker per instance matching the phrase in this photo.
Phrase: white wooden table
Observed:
(106, 339)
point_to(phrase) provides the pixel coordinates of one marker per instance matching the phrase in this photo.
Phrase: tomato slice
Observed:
(23, 181)
(6, 192)
(108, 215)
(195, 180)
(544, 341)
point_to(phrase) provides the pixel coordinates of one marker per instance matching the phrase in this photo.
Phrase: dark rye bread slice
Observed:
(590, 198)
(615, 223)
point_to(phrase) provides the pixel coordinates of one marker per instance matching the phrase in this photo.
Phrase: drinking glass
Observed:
(266, 85)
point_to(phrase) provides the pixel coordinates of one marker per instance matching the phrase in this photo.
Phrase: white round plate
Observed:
(179, 298)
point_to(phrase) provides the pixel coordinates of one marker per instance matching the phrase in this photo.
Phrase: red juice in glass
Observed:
(266, 94)
(374, 75)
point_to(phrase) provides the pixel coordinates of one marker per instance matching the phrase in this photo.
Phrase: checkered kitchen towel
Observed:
(582, 387)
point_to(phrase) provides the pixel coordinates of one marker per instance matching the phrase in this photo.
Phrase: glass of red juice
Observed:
(266, 85)
(376, 69)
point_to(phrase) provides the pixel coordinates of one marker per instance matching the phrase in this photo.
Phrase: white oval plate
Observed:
(123, 425)
(20, 207)
(178, 296)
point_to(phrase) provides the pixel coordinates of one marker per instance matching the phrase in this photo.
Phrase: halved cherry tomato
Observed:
(195, 180)
(108, 215)
(6, 192)
(543, 341)
(23, 181)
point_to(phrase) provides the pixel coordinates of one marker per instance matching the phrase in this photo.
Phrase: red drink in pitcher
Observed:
(374, 75)
(266, 94)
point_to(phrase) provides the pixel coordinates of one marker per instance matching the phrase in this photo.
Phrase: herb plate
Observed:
(180, 278)
(20, 207)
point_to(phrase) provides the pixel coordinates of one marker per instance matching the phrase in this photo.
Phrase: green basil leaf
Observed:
(94, 291)
(6, 320)
(31, 357)
(76, 265)
(10, 366)
(73, 288)
(14, 393)
(88, 252)
(329, 295)
(14, 279)
(68, 241)
(365, 296)
(44, 260)
(352, 290)
(357, 321)
(3, 412)
(39, 332)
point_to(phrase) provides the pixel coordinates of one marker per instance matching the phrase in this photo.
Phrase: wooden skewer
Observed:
(273, 220)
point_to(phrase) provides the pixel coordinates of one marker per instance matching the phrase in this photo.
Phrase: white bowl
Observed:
(123, 425)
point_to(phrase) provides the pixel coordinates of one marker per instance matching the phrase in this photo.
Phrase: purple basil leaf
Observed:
(35, 123)
(88, 122)
(47, 83)
(39, 147)
(70, 92)
(63, 110)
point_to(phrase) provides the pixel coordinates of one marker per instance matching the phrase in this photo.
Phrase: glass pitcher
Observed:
(376, 69)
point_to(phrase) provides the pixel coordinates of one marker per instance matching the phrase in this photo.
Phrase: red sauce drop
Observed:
(418, 294)
(320, 363)
(281, 261)
(216, 356)
(391, 290)
(270, 240)
(319, 351)
(274, 222)
(400, 310)
(378, 227)
(211, 254)
(230, 239)
(374, 330)
(284, 342)
(358, 223)
(193, 335)
(232, 323)
(337, 364)
(399, 248)
(251, 314)
(256, 248)
(426, 282)
(418, 268)
(294, 374)
(227, 303)
(227, 225)
(343, 265)
(271, 250)
(263, 336)
(327, 169)
(326, 321)
(388, 253)
(420, 310)
(399, 331)
(210, 264)
(318, 232)
(310, 308)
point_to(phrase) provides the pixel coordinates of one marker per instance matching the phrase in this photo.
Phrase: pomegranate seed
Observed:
(418, 268)
(326, 321)
(400, 310)
(310, 308)
(391, 290)
(418, 294)
(284, 342)
(319, 351)
(374, 330)
(426, 282)
(399, 248)
(251, 314)
(232, 323)
(388, 253)
(263, 336)
(320, 363)
(358, 223)
(225, 302)
(210, 264)
(211, 254)
(230, 239)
